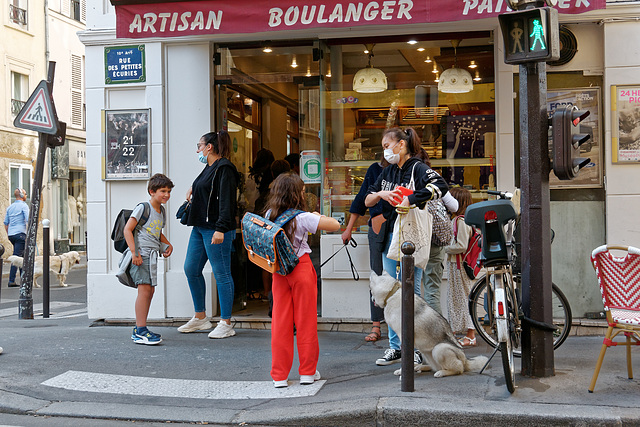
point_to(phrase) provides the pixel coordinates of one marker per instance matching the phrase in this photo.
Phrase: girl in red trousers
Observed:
(295, 295)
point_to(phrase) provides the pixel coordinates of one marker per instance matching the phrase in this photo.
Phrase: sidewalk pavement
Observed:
(97, 372)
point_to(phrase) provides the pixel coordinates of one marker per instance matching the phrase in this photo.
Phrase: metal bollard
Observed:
(45, 268)
(1, 264)
(408, 295)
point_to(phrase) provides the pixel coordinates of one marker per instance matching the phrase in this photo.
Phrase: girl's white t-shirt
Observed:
(306, 223)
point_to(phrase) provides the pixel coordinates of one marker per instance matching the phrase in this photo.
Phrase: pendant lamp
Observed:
(455, 80)
(369, 79)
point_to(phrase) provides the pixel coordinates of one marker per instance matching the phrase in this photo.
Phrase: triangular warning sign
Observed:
(38, 113)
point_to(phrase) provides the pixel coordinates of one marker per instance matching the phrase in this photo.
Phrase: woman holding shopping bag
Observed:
(402, 149)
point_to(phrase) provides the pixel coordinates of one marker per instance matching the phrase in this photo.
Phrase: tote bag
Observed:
(412, 225)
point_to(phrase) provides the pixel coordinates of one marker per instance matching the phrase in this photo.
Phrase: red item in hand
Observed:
(405, 193)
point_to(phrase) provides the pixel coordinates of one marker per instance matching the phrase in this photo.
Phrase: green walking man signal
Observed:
(530, 35)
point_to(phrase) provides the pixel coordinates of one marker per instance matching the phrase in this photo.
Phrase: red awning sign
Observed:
(210, 17)
(38, 113)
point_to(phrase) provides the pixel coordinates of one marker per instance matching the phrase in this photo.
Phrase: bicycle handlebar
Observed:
(501, 194)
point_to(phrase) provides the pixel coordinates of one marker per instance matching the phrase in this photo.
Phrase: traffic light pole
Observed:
(537, 344)
(25, 302)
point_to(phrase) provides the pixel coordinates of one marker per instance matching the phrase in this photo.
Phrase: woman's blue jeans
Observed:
(199, 251)
(390, 267)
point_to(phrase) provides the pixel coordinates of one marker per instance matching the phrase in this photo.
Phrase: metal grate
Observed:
(16, 106)
(17, 15)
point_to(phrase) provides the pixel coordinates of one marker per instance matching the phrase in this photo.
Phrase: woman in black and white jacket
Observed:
(404, 152)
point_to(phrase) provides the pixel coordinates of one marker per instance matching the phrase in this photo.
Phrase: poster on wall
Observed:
(585, 99)
(626, 124)
(127, 142)
(310, 167)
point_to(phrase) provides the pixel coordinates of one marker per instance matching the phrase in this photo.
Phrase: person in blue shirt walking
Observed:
(15, 222)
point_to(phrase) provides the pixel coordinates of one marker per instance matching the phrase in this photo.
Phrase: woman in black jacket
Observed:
(404, 152)
(213, 217)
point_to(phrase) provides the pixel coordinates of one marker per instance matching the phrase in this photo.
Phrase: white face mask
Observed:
(391, 157)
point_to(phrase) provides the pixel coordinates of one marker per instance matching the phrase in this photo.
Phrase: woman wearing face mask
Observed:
(212, 215)
(402, 149)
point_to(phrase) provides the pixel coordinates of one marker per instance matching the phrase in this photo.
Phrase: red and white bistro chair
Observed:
(619, 280)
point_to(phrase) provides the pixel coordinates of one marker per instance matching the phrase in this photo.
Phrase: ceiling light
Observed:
(369, 79)
(473, 64)
(294, 64)
(267, 49)
(366, 51)
(308, 73)
(328, 73)
(435, 68)
(420, 49)
(477, 77)
(455, 80)
(412, 41)
(428, 60)
(437, 79)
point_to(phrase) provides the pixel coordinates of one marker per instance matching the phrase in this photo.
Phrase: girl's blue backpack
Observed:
(267, 244)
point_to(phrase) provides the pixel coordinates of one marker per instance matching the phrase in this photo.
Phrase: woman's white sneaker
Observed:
(222, 330)
(309, 379)
(195, 324)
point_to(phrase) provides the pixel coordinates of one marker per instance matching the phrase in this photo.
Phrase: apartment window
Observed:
(76, 91)
(19, 92)
(18, 12)
(20, 178)
(75, 9)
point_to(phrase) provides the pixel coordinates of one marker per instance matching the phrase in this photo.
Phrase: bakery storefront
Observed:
(322, 79)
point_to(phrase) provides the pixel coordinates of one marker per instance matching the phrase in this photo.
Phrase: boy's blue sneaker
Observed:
(145, 336)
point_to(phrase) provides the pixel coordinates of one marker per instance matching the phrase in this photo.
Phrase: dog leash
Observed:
(353, 244)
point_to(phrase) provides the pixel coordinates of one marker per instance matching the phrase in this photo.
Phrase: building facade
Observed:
(31, 37)
(283, 77)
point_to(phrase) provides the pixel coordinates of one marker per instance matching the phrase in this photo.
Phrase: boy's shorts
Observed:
(140, 273)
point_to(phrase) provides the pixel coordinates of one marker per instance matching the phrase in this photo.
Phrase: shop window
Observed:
(18, 13)
(457, 130)
(20, 176)
(19, 92)
(77, 208)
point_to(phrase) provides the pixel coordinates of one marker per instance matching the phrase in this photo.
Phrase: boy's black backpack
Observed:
(117, 234)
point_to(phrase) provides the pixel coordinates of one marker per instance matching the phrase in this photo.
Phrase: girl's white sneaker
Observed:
(309, 379)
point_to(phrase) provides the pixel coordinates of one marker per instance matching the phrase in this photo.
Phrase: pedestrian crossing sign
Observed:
(39, 112)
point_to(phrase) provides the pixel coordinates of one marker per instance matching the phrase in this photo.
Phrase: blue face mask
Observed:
(202, 157)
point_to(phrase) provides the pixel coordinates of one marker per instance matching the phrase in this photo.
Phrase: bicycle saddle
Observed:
(490, 217)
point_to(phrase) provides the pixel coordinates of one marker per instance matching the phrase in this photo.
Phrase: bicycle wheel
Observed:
(506, 351)
(479, 301)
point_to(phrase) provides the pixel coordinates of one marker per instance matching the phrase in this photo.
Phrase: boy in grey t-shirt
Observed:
(145, 247)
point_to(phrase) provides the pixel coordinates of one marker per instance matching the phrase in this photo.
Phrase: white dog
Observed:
(433, 335)
(58, 264)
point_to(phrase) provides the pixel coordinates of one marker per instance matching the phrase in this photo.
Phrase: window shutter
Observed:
(83, 11)
(66, 8)
(76, 90)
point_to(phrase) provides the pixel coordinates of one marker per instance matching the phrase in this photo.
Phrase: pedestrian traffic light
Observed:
(530, 35)
(58, 139)
(567, 141)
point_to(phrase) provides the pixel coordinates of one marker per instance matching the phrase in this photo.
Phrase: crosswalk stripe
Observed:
(55, 306)
(189, 389)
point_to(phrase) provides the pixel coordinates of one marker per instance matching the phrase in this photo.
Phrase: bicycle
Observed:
(478, 301)
(492, 217)
(501, 325)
